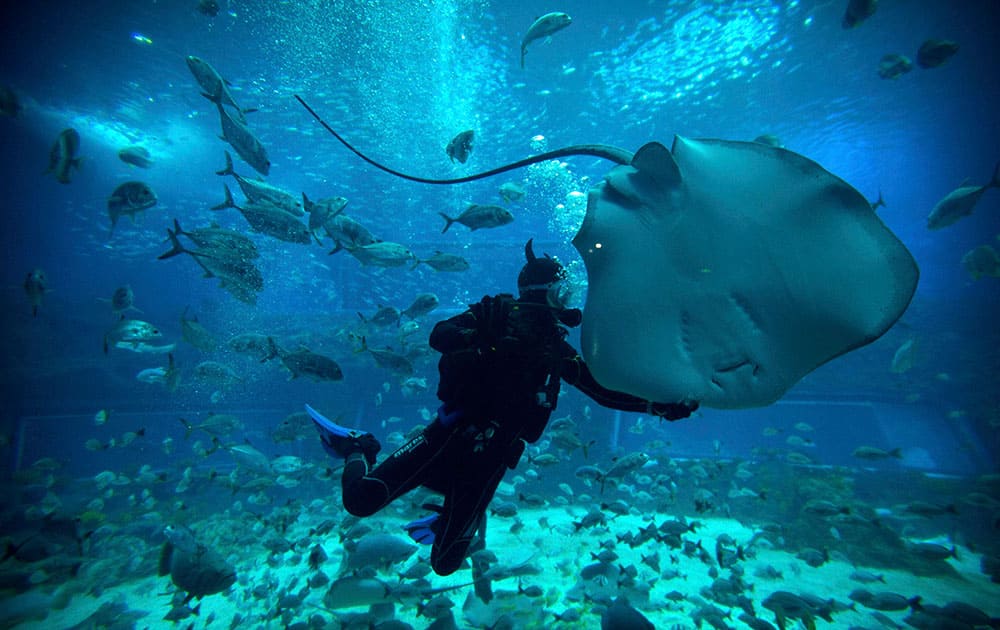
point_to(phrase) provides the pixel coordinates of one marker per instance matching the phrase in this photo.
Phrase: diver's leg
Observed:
(367, 490)
(464, 510)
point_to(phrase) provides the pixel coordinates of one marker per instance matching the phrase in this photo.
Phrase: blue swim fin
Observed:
(340, 441)
(422, 529)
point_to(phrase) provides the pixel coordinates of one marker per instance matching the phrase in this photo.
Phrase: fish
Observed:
(168, 376)
(228, 256)
(197, 335)
(384, 316)
(893, 66)
(440, 261)
(136, 156)
(208, 7)
(769, 140)
(256, 345)
(982, 261)
(377, 551)
(322, 211)
(266, 218)
(787, 606)
(858, 11)
(36, 285)
(130, 332)
(423, 304)
(214, 424)
(878, 203)
(294, 427)
(476, 217)
(257, 190)
(347, 231)
(545, 26)
(960, 202)
(122, 300)
(460, 147)
(62, 156)
(247, 146)
(388, 359)
(214, 87)
(142, 347)
(621, 615)
(935, 52)
(905, 357)
(380, 254)
(511, 192)
(885, 601)
(217, 373)
(751, 326)
(623, 466)
(874, 453)
(194, 568)
(354, 590)
(303, 362)
(129, 199)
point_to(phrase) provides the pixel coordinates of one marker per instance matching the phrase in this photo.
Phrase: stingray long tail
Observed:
(603, 151)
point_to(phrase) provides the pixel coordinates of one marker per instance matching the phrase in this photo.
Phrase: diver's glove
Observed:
(671, 411)
(340, 441)
(422, 530)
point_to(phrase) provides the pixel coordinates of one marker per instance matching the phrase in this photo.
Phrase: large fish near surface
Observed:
(959, 203)
(544, 27)
(239, 136)
(62, 156)
(215, 88)
(258, 190)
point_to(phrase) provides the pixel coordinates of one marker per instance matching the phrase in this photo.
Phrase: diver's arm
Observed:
(576, 373)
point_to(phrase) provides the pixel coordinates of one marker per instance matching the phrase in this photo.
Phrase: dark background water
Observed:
(400, 79)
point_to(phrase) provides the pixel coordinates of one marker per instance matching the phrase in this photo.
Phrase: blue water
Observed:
(399, 80)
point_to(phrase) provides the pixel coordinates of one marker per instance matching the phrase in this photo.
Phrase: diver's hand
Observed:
(672, 411)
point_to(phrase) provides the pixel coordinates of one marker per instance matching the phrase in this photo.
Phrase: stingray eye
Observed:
(621, 188)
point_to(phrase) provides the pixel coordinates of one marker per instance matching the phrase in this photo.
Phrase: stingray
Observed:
(721, 271)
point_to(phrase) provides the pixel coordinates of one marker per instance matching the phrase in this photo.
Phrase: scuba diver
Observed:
(501, 364)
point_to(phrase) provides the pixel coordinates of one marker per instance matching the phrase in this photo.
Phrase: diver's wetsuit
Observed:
(500, 370)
